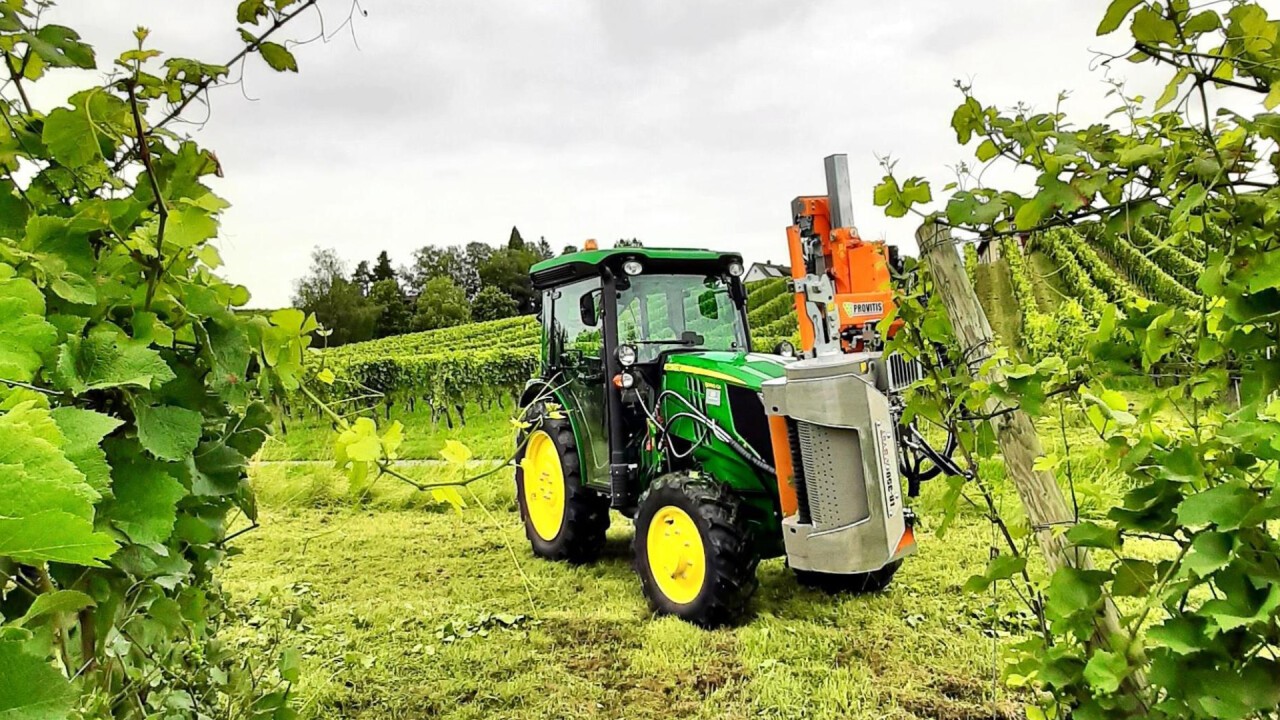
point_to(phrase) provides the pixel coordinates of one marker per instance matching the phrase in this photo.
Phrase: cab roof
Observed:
(589, 263)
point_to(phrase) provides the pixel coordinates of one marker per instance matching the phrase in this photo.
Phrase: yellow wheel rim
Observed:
(676, 557)
(543, 485)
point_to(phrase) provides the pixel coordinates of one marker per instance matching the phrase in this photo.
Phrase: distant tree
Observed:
(625, 243)
(492, 304)
(508, 270)
(441, 304)
(515, 242)
(455, 263)
(362, 278)
(543, 249)
(336, 301)
(382, 269)
(394, 314)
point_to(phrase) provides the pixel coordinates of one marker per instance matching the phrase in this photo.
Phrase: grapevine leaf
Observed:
(24, 333)
(250, 10)
(1151, 27)
(145, 502)
(290, 665)
(60, 601)
(32, 689)
(84, 430)
(278, 57)
(1090, 534)
(100, 361)
(219, 469)
(1105, 671)
(78, 135)
(74, 289)
(167, 431)
(326, 376)
(34, 473)
(1001, 567)
(190, 226)
(1182, 635)
(455, 452)
(449, 495)
(1225, 505)
(1273, 96)
(1134, 578)
(1117, 11)
(54, 536)
(1210, 552)
(60, 46)
(358, 443)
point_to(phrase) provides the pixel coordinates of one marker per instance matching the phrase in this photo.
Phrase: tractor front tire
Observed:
(869, 582)
(693, 550)
(563, 519)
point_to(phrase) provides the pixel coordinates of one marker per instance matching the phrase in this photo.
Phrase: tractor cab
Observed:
(613, 320)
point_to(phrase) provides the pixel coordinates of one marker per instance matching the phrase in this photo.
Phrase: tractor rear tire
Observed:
(563, 519)
(693, 550)
(858, 583)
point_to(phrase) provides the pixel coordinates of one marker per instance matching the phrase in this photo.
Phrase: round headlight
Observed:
(785, 349)
(627, 355)
(735, 269)
(632, 267)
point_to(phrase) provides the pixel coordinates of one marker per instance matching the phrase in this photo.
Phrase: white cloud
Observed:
(680, 123)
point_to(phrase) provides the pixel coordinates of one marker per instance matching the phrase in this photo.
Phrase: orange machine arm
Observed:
(858, 270)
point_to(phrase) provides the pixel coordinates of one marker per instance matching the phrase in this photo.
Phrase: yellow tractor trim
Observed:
(543, 485)
(677, 560)
(677, 367)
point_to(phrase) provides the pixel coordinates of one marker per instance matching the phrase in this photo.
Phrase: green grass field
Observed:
(422, 611)
(398, 584)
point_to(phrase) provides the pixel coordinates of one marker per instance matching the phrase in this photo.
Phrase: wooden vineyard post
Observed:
(1045, 505)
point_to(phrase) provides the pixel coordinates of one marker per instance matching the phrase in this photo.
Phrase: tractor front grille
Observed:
(829, 474)
(899, 372)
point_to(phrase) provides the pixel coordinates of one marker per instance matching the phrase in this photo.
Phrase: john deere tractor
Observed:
(652, 402)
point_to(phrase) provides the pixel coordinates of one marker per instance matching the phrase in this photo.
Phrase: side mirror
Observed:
(707, 305)
(588, 309)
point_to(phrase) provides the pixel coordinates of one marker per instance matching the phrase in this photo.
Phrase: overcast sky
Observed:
(679, 122)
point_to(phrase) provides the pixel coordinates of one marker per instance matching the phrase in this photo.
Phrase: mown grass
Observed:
(422, 611)
(393, 577)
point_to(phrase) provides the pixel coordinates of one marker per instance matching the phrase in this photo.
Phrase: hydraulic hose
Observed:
(738, 447)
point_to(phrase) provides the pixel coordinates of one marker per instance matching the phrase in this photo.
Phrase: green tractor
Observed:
(651, 402)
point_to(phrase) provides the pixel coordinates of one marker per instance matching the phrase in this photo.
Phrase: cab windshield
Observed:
(665, 312)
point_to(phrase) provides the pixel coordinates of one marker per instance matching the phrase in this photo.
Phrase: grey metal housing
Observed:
(852, 516)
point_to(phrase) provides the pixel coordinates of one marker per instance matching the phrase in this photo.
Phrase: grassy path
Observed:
(421, 612)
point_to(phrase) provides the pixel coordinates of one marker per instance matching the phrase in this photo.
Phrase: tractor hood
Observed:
(749, 370)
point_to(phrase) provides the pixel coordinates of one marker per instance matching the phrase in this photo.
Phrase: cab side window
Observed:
(577, 326)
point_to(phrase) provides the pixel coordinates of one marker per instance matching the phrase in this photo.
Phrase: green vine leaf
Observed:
(32, 689)
(145, 502)
(59, 601)
(278, 57)
(101, 361)
(24, 333)
(167, 431)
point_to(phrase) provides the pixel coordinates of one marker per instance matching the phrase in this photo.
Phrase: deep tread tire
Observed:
(859, 583)
(586, 512)
(730, 556)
